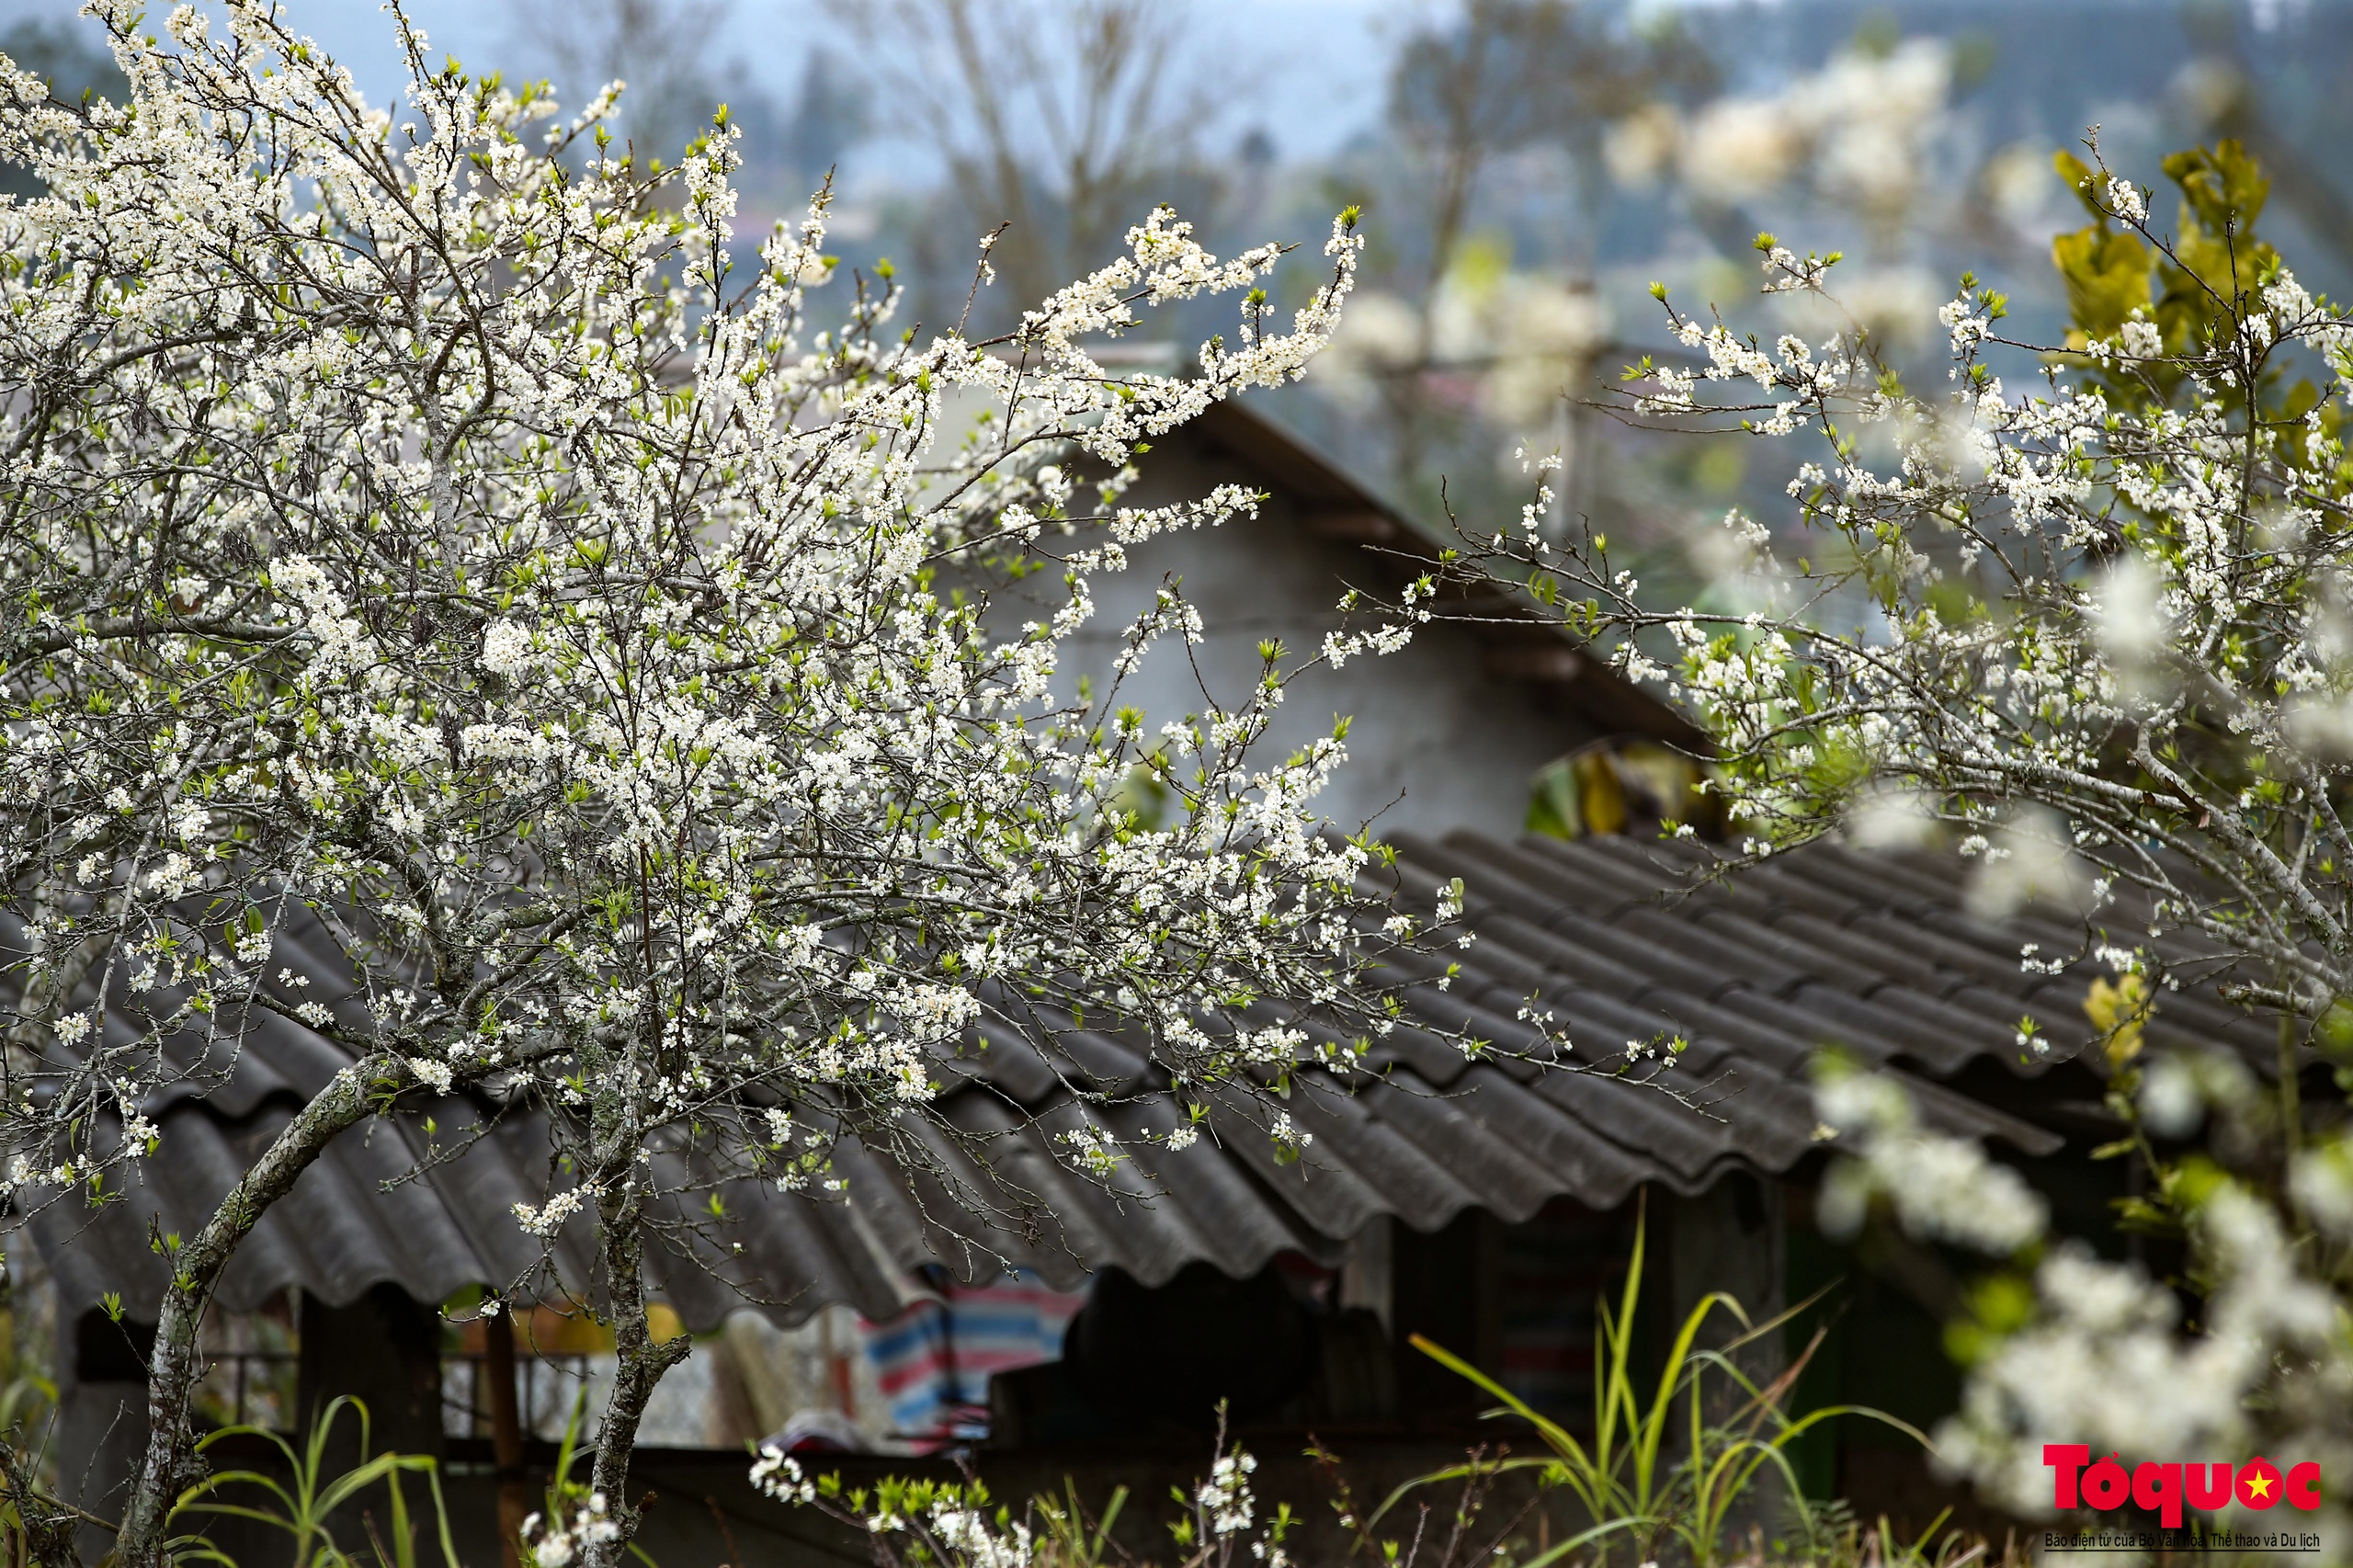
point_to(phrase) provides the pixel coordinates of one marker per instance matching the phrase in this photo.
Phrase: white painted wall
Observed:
(1437, 743)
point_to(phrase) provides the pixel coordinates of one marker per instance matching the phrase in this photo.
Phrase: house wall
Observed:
(100, 1432)
(1436, 743)
(1732, 1239)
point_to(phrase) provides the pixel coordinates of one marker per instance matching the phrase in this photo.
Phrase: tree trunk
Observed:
(641, 1363)
(177, 1362)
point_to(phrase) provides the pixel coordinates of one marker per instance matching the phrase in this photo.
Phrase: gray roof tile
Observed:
(1613, 938)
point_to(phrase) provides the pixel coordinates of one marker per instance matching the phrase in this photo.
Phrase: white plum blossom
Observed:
(1225, 1496)
(1941, 1188)
(1094, 1149)
(2092, 626)
(778, 1475)
(442, 545)
(925, 1524)
(548, 1218)
(2023, 623)
(580, 1531)
(2102, 1359)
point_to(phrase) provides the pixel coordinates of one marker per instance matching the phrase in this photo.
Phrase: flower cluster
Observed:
(440, 547)
(778, 1475)
(2101, 630)
(1224, 1498)
(2070, 1347)
(1941, 1188)
(928, 1523)
(558, 1544)
(2096, 631)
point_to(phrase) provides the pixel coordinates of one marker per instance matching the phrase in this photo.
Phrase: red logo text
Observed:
(2077, 1480)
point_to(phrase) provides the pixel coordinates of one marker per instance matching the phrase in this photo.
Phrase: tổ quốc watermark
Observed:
(2179, 1543)
(2166, 1487)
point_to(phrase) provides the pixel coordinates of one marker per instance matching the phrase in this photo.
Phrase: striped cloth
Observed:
(933, 1363)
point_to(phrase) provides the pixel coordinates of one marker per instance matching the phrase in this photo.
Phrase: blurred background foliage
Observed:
(1527, 167)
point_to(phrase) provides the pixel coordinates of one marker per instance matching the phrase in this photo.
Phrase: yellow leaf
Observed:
(2224, 188)
(2084, 180)
(2119, 1009)
(2107, 275)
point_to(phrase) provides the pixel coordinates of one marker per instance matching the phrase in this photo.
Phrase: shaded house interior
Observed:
(1482, 1205)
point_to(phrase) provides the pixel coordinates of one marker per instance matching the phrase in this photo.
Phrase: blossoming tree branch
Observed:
(431, 538)
(2092, 619)
(2093, 628)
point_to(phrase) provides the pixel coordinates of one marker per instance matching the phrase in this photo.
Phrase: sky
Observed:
(1312, 68)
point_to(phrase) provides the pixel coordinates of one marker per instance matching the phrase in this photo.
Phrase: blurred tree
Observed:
(662, 49)
(1063, 121)
(1501, 77)
(827, 118)
(673, 55)
(1511, 73)
(2222, 89)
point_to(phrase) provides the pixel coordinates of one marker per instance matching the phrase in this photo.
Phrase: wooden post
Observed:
(506, 1435)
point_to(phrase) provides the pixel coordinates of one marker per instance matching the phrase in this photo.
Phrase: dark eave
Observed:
(1522, 643)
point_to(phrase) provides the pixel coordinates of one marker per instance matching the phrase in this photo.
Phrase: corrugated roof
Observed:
(1824, 947)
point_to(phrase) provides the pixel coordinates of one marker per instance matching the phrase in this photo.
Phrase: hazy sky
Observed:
(1312, 69)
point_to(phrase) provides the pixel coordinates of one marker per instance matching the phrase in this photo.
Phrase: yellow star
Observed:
(2260, 1485)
